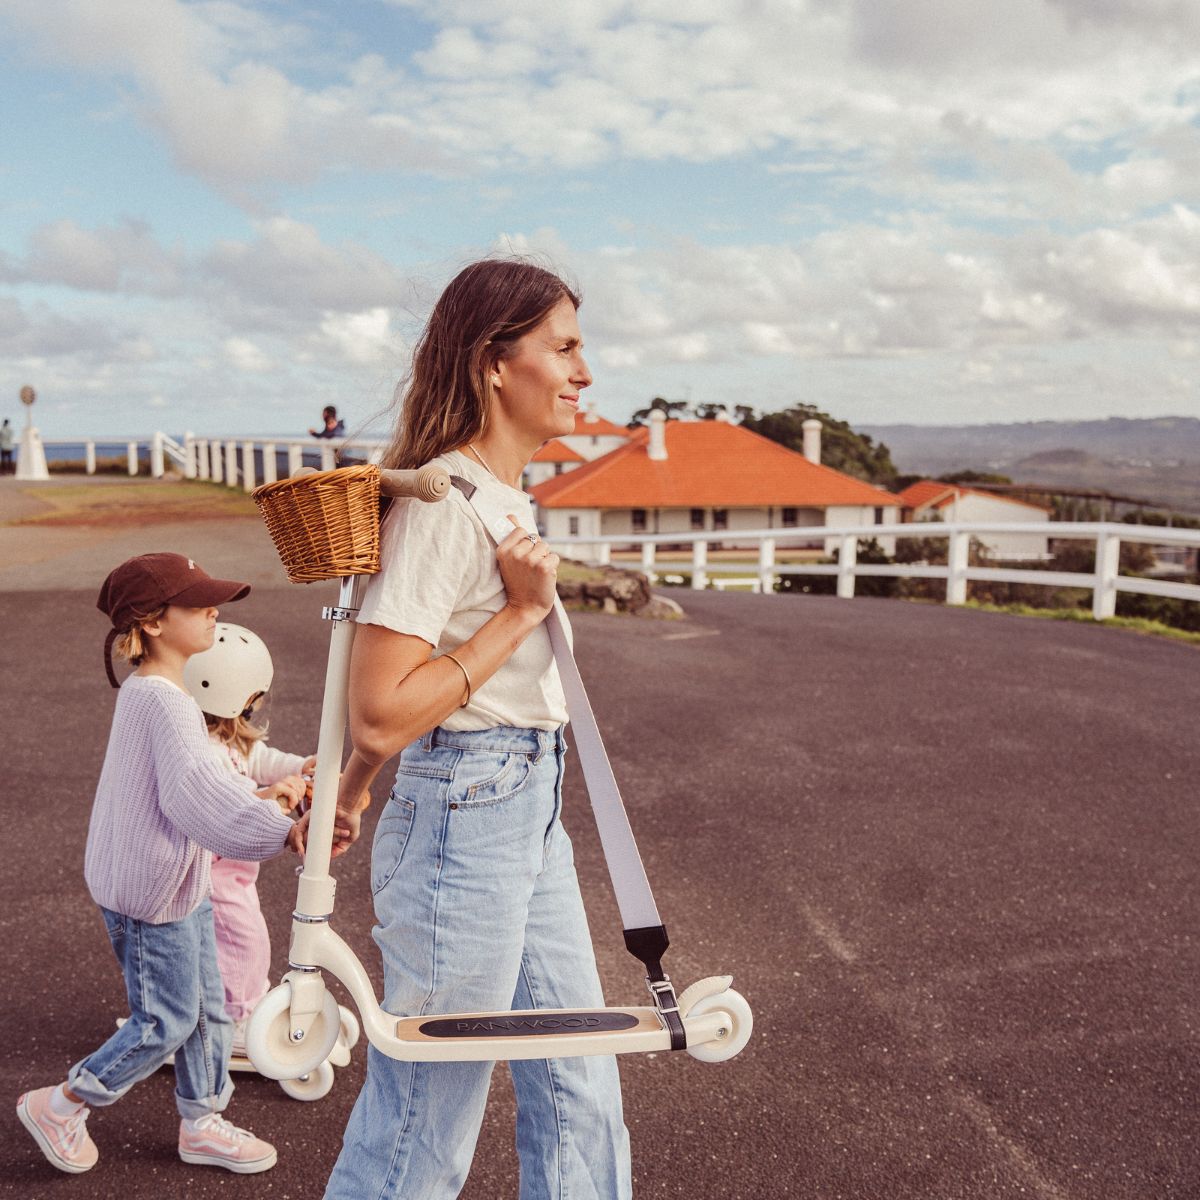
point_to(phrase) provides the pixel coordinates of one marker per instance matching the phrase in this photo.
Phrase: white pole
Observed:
(89, 451)
(203, 470)
(1108, 563)
(215, 458)
(156, 455)
(248, 472)
(699, 560)
(328, 461)
(648, 560)
(131, 457)
(189, 455)
(604, 554)
(270, 472)
(766, 565)
(231, 463)
(957, 557)
(295, 459)
(847, 560)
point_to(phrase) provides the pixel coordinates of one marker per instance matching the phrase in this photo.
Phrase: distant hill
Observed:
(1157, 459)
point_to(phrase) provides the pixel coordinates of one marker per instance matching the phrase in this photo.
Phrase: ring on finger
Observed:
(533, 538)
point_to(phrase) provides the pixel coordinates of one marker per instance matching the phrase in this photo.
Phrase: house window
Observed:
(558, 468)
(879, 516)
(720, 518)
(697, 518)
(639, 519)
(573, 526)
(791, 516)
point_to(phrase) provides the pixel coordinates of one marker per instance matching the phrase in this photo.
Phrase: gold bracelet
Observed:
(466, 676)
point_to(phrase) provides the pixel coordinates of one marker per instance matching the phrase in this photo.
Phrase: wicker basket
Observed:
(325, 524)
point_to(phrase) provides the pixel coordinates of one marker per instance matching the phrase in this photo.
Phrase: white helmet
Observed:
(227, 676)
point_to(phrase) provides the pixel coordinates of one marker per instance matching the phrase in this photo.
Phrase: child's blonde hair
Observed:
(237, 731)
(132, 644)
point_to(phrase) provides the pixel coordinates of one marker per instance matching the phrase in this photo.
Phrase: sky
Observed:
(221, 216)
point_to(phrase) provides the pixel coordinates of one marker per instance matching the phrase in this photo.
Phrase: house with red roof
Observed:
(703, 476)
(932, 500)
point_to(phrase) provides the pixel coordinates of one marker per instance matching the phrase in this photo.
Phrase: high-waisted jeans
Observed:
(478, 909)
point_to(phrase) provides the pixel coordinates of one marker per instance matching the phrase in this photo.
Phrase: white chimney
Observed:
(723, 416)
(589, 414)
(812, 440)
(657, 450)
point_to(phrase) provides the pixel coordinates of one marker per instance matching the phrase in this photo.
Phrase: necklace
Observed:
(482, 461)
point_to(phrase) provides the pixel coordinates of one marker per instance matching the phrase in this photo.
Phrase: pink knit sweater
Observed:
(164, 805)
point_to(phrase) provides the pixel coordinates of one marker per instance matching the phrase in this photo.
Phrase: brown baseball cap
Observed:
(149, 581)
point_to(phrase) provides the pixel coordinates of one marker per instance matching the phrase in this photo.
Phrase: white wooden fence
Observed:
(1104, 582)
(233, 461)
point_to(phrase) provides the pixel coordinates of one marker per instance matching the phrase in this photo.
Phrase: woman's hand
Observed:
(345, 832)
(287, 792)
(529, 570)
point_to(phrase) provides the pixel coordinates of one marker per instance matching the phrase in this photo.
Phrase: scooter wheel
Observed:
(313, 1086)
(269, 1044)
(350, 1027)
(737, 1032)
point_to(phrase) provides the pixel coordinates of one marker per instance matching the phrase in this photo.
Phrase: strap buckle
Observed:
(666, 1004)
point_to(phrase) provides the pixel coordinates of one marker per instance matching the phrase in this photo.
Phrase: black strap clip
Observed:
(648, 945)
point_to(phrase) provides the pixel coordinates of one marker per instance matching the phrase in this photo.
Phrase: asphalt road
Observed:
(950, 858)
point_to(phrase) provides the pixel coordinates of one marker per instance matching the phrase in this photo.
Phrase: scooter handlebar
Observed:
(428, 483)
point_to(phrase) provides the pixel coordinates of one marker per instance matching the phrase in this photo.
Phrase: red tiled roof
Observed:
(556, 451)
(930, 491)
(709, 464)
(594, 425)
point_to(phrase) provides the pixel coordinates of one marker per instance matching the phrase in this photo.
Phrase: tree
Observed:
(672, 409)
(842, 447)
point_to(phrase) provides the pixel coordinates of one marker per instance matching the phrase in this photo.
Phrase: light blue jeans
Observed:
(479, 911)
(176, 1006)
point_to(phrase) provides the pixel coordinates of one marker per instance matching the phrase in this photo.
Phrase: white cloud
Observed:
(245, 355)
(364, 338)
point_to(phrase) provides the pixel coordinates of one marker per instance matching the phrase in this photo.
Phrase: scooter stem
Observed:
(314, 896)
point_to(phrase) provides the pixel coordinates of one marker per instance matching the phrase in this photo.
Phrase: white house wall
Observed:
(1017, 546)
(593, 445)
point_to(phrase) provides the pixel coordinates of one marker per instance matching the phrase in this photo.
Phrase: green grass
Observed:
(1136, 624)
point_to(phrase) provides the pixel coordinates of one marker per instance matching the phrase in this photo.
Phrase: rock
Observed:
(615, 589)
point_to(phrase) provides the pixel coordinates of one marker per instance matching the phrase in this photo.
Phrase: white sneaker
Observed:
(212, 1141)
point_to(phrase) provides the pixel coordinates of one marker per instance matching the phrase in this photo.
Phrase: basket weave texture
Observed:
(326, 524)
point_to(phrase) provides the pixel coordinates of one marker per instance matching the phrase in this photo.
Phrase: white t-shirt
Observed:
(439, 581)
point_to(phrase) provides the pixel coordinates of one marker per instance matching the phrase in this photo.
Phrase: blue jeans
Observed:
(176, 1006)
(478, 909)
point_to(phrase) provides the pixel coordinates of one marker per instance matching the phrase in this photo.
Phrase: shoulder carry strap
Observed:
(645, 935)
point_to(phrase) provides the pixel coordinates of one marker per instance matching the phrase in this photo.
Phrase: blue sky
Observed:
(222, 216)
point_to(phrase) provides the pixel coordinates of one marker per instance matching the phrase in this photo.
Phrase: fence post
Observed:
(249, 474)
(189, 455)
(699, 561)
(604, 554)
(766, 565)
(231, 463)
(957, 556)
(216, 460)
(648, 560)
(376, 456)
(270, 469)
(1108, 564)
(295, 459)
(156, 455)
(89, 451)
(131, 457)
(847, 560)
(328, 458)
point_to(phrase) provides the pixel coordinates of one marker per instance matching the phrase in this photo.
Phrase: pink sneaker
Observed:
(63, 1140)
(214, 1142)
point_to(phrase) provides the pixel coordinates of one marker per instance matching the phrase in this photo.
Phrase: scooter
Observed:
(325, 525)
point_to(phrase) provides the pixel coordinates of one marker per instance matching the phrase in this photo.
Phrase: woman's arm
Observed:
(398, 691)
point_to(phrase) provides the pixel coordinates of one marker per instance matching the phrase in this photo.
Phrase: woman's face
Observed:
(536, 388)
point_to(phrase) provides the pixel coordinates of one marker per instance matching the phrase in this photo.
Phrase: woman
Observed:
(476, 898)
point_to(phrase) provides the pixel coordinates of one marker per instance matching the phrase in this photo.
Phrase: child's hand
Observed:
(345, 832)
(287, 792)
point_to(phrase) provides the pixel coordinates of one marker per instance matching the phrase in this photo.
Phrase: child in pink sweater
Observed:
(164, 805)
(230, 681)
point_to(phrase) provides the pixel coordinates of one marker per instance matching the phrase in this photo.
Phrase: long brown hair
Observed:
(476, 321)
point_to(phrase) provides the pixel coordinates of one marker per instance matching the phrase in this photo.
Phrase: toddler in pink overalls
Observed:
(229, 682)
